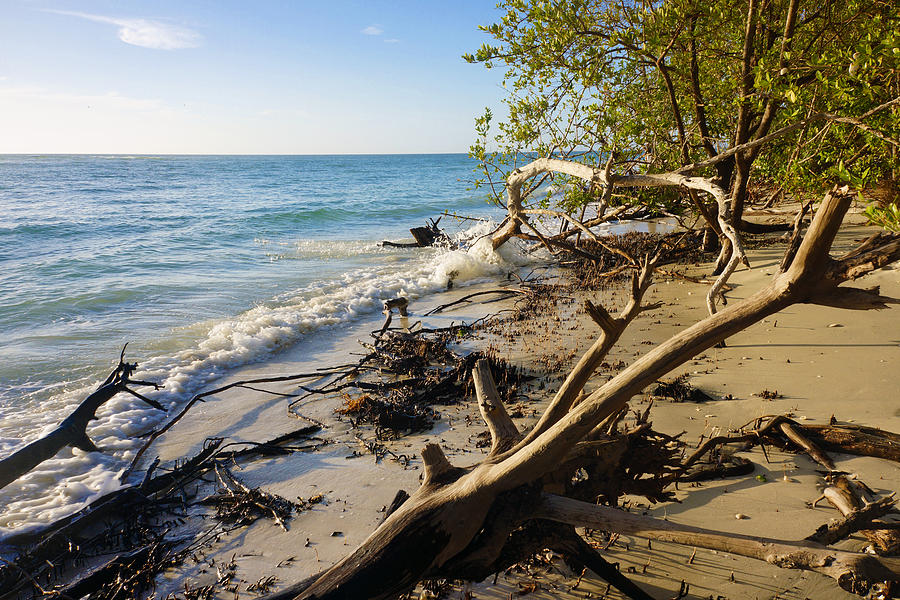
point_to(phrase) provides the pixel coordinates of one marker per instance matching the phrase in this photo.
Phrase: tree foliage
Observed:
(659, 85)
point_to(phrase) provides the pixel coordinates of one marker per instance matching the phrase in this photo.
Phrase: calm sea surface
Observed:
(201, 264)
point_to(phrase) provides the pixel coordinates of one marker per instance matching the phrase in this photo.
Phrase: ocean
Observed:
(201, 264)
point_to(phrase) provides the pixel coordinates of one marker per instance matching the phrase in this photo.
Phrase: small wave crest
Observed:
(289, 317)
(317, 249)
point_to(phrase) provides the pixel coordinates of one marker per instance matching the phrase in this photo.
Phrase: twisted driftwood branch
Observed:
(72, 430)
(518, 215)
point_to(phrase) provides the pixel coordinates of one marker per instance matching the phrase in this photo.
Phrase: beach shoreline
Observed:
(820, 361)
(199, 265)
(816, 363)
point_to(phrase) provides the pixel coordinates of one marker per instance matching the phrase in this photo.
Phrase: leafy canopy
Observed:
(663, 84)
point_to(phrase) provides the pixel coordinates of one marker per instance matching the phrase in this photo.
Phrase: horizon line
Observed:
(223, 154)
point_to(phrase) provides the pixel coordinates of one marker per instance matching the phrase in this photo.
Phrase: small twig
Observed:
(467, 298)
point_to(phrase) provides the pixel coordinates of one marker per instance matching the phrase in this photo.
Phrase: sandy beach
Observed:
(821, 361)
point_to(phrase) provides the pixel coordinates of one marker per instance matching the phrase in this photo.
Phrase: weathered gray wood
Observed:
(855, 519)
(847, 496)
(732, 253)
(504, 433)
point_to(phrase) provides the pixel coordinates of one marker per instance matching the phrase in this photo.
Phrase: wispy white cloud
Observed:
(31, 94)
(373, 30)
(144, 32)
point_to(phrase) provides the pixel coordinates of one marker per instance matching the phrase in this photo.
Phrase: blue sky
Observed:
(260, 77)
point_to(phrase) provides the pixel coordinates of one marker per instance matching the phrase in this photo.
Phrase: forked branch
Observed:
(73, 429)
(611, 330)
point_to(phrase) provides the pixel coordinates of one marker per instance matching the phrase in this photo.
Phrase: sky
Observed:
(242, 77)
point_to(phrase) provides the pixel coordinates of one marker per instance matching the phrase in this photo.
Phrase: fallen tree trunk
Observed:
(812, 439)
(73, 430)
(856, 439)
(732, 253)
(124, 524)
(462, 520)
(852, 570)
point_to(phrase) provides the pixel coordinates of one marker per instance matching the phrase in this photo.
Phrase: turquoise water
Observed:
(96, 251)
(202, 264)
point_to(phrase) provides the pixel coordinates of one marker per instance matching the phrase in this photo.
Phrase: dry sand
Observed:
(821, 361)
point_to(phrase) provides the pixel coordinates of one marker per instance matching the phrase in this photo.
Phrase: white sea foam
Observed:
(316, 249)
(73, 478)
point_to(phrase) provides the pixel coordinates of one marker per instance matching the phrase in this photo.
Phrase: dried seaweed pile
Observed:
(236, 503)
(680, 390)
(405, 375)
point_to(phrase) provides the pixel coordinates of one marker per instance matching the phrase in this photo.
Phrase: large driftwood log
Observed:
(856, 439)
(851, 570)
(72, 431)
(463, 518)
